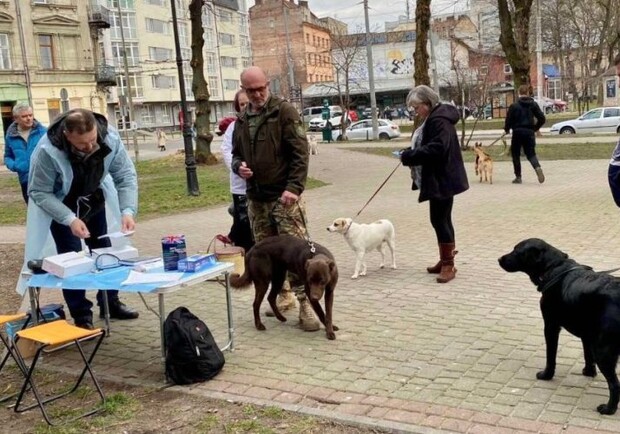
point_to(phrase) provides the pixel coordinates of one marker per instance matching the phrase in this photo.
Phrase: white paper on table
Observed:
(136, 277)
(113, 235)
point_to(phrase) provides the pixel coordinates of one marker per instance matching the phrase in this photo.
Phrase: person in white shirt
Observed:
(241, 231)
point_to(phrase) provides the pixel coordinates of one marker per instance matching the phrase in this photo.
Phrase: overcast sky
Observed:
(379, 11)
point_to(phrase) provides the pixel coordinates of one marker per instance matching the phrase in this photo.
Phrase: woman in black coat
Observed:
(437, 170)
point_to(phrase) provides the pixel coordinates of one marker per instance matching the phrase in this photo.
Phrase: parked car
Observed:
(317, 124)
(548, 105)
(362, 130)
(310, 113)
(598, 120)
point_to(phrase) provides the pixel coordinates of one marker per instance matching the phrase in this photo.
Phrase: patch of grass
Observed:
(207, 423)
(545, 152)
(120, 405)
(162, 190)
(248, 426)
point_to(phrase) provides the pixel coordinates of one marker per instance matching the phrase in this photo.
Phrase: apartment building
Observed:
(291, 44)
(46, 58)
(152, 68)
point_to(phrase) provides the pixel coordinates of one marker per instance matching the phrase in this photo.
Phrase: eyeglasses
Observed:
(255, 89)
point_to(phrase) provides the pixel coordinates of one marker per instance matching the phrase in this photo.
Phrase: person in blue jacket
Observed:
(69, 197)
(21, 138)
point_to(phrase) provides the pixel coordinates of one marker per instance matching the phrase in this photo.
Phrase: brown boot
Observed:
(285, 301)
(448, 272)
(436, 269)
(307, 319)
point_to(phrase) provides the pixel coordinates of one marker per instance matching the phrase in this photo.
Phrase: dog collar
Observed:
(544, 286)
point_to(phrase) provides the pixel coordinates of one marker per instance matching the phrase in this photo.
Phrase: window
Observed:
(53, 108)
(611, 113)
(245, 62)
(157, 26)
(307, 38)
(131, 48)
(483, 71)
(211, 62)
(209, 40)
(160, 81)
(125, 4)
(129, 25)
(245, 45)
(229, 62)
(46, 51)
(243, 24)
(507, 69)
(187, 79)
(610, 88)
(186, 54)
(227, 39)
(159, 54)
(214, 87)
(162, 114)
(225, 16)
(156, 2)
(207, 18)
(594, 114)
(231, 84)
(5, 54)
(147, 115)
(137, 91)
(183, 35)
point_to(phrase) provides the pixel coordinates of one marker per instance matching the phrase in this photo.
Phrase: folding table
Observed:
(111, 279)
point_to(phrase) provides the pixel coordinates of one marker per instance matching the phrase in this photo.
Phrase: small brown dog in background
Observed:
(484, 163)
(313, 145)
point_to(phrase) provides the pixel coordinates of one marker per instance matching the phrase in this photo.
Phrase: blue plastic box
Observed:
(196, 262)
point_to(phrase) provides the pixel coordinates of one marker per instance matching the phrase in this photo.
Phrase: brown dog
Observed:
(270, 259)
(484, 163)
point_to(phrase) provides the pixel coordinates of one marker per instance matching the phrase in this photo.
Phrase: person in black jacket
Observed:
(524, 118)
(437, 170)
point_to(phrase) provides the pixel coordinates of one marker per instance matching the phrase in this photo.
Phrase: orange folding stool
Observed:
(9, 344)
(51, 337)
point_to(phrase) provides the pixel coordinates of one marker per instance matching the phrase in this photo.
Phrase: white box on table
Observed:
(68, 264)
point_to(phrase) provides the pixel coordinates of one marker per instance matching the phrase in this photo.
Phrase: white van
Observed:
(310, 113)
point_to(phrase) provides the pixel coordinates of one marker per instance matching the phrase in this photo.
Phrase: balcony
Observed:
(98, 16)
(105, 75)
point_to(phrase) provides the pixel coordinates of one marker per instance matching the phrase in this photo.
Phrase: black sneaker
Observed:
(517, 180)
(85, 325)
(118, 310)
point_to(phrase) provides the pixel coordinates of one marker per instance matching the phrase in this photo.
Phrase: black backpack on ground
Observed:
(192, 356)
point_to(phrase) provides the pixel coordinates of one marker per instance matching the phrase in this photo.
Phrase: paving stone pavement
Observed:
(411, 355)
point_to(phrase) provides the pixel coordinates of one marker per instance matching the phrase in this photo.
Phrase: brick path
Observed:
(411, 355)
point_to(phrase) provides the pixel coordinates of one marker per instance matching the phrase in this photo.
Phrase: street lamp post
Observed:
(190, 161)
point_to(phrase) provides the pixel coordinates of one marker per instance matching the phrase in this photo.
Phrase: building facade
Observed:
(46, 58)
(292, 44)
(152, 70)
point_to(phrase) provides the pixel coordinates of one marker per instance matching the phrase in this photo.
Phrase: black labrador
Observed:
(584, 302)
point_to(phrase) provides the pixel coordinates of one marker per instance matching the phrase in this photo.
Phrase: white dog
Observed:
(364, 237)
(313, 145)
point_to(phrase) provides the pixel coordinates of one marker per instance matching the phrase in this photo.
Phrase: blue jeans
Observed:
(79, 306)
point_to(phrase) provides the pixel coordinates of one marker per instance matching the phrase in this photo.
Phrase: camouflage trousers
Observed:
(274, 218)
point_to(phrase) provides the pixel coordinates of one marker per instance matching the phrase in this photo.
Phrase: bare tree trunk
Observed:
(420, 56)
(515, 27)
(200, 88)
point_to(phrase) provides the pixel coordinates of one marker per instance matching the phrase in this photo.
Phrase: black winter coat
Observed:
(439, 154)
(524, 114)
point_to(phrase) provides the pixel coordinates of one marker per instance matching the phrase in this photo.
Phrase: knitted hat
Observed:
(223, 125)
